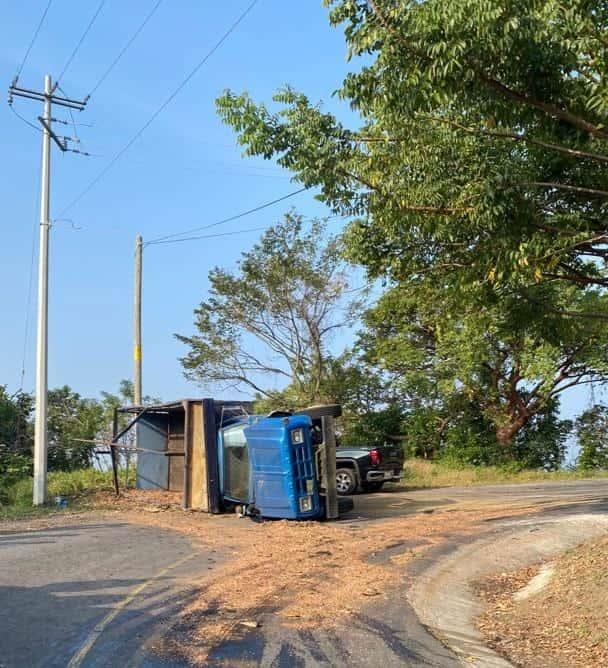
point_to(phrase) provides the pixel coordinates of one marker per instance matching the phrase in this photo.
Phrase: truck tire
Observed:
(346, 482)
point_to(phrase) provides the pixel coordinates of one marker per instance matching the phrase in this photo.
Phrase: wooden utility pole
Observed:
(137, 396)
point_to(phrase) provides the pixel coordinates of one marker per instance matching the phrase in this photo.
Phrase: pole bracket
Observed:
(61, 142)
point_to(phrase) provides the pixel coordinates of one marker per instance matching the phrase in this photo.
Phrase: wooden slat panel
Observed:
(197, 460)
(176, 431)
(176, 473)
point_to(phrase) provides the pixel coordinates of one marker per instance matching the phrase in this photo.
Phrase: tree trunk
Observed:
(505, 434)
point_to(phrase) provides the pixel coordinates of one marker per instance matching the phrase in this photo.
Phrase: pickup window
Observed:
(236, 463)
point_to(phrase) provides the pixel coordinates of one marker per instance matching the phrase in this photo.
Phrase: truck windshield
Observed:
(236, 463)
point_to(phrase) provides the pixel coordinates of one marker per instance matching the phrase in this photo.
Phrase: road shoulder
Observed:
(443, 591)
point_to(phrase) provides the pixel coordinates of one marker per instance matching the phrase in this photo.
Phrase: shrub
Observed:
(592, 433)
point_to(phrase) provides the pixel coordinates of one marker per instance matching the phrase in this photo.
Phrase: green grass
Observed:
(74, 485)
(420, 474)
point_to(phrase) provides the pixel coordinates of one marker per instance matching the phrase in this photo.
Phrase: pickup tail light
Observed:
(375, 457)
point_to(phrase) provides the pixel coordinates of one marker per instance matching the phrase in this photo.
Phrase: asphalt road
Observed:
(389, 633)
(91, 594)
(395, 501)
(88, 594)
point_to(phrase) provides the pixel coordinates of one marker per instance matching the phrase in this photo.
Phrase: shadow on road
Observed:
(47, 625)
(102, 587)
(60, 531)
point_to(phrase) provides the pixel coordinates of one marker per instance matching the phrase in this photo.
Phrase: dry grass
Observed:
(565, 625)
(421, 474)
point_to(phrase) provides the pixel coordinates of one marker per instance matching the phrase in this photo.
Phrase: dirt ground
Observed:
(312, 574)
(307, 573)
(562, 625)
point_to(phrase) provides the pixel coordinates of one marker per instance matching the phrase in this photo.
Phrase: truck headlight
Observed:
(305, 504)
(297, 436)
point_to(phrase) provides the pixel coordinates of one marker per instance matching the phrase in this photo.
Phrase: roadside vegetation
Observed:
(464, 289)
(561, 626)
(421, 474)
(74, 423)
(75, 486)
(474, 189)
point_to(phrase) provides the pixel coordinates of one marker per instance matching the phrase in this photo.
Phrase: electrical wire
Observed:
(80, 41)
(76, 137)
(226, 220)
(154, 242)
(206, 236)
(26, 326)
(125, 48)
(23, 118)
(29, 48)
(160, 109)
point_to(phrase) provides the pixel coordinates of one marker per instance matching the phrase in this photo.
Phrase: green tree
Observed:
(592, 433)
(469, 438)
(15, 412)
(424, 428)
(124, 397)
(15, 438)
(73, 423)
(495, 353)
(271, 321)
(477, 183)
(541, 444)
(373, 427)
(482, 152)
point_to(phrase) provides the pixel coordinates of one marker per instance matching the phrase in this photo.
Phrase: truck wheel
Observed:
(346, 483)
(372, 486)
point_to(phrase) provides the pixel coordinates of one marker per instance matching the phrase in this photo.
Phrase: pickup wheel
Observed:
(346, 483)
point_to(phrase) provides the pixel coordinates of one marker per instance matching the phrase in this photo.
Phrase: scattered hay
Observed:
(307, 573)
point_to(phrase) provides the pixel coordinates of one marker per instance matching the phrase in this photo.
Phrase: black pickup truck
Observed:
(359, 467)
(367, 468)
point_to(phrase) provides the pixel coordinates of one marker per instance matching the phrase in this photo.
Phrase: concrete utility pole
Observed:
(137, 398)
(40, 430)
(46, 120)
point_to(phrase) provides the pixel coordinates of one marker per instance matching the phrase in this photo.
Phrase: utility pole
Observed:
(46, 120)
(137, 398)
(40, 430)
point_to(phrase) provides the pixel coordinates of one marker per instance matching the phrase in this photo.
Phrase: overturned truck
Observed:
(219, 456)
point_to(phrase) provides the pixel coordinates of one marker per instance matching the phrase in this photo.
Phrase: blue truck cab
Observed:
(268, 465)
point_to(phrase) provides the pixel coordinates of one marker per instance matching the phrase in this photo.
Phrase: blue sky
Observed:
(185, 171)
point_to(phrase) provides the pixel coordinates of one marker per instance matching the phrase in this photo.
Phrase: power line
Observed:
(207, 236)
(125, 48)
(228, 234)
(76, 137)
(160, 109)
(80, 41)
(227, 220)
(35, 36)
(35, 127)
(26, 326)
